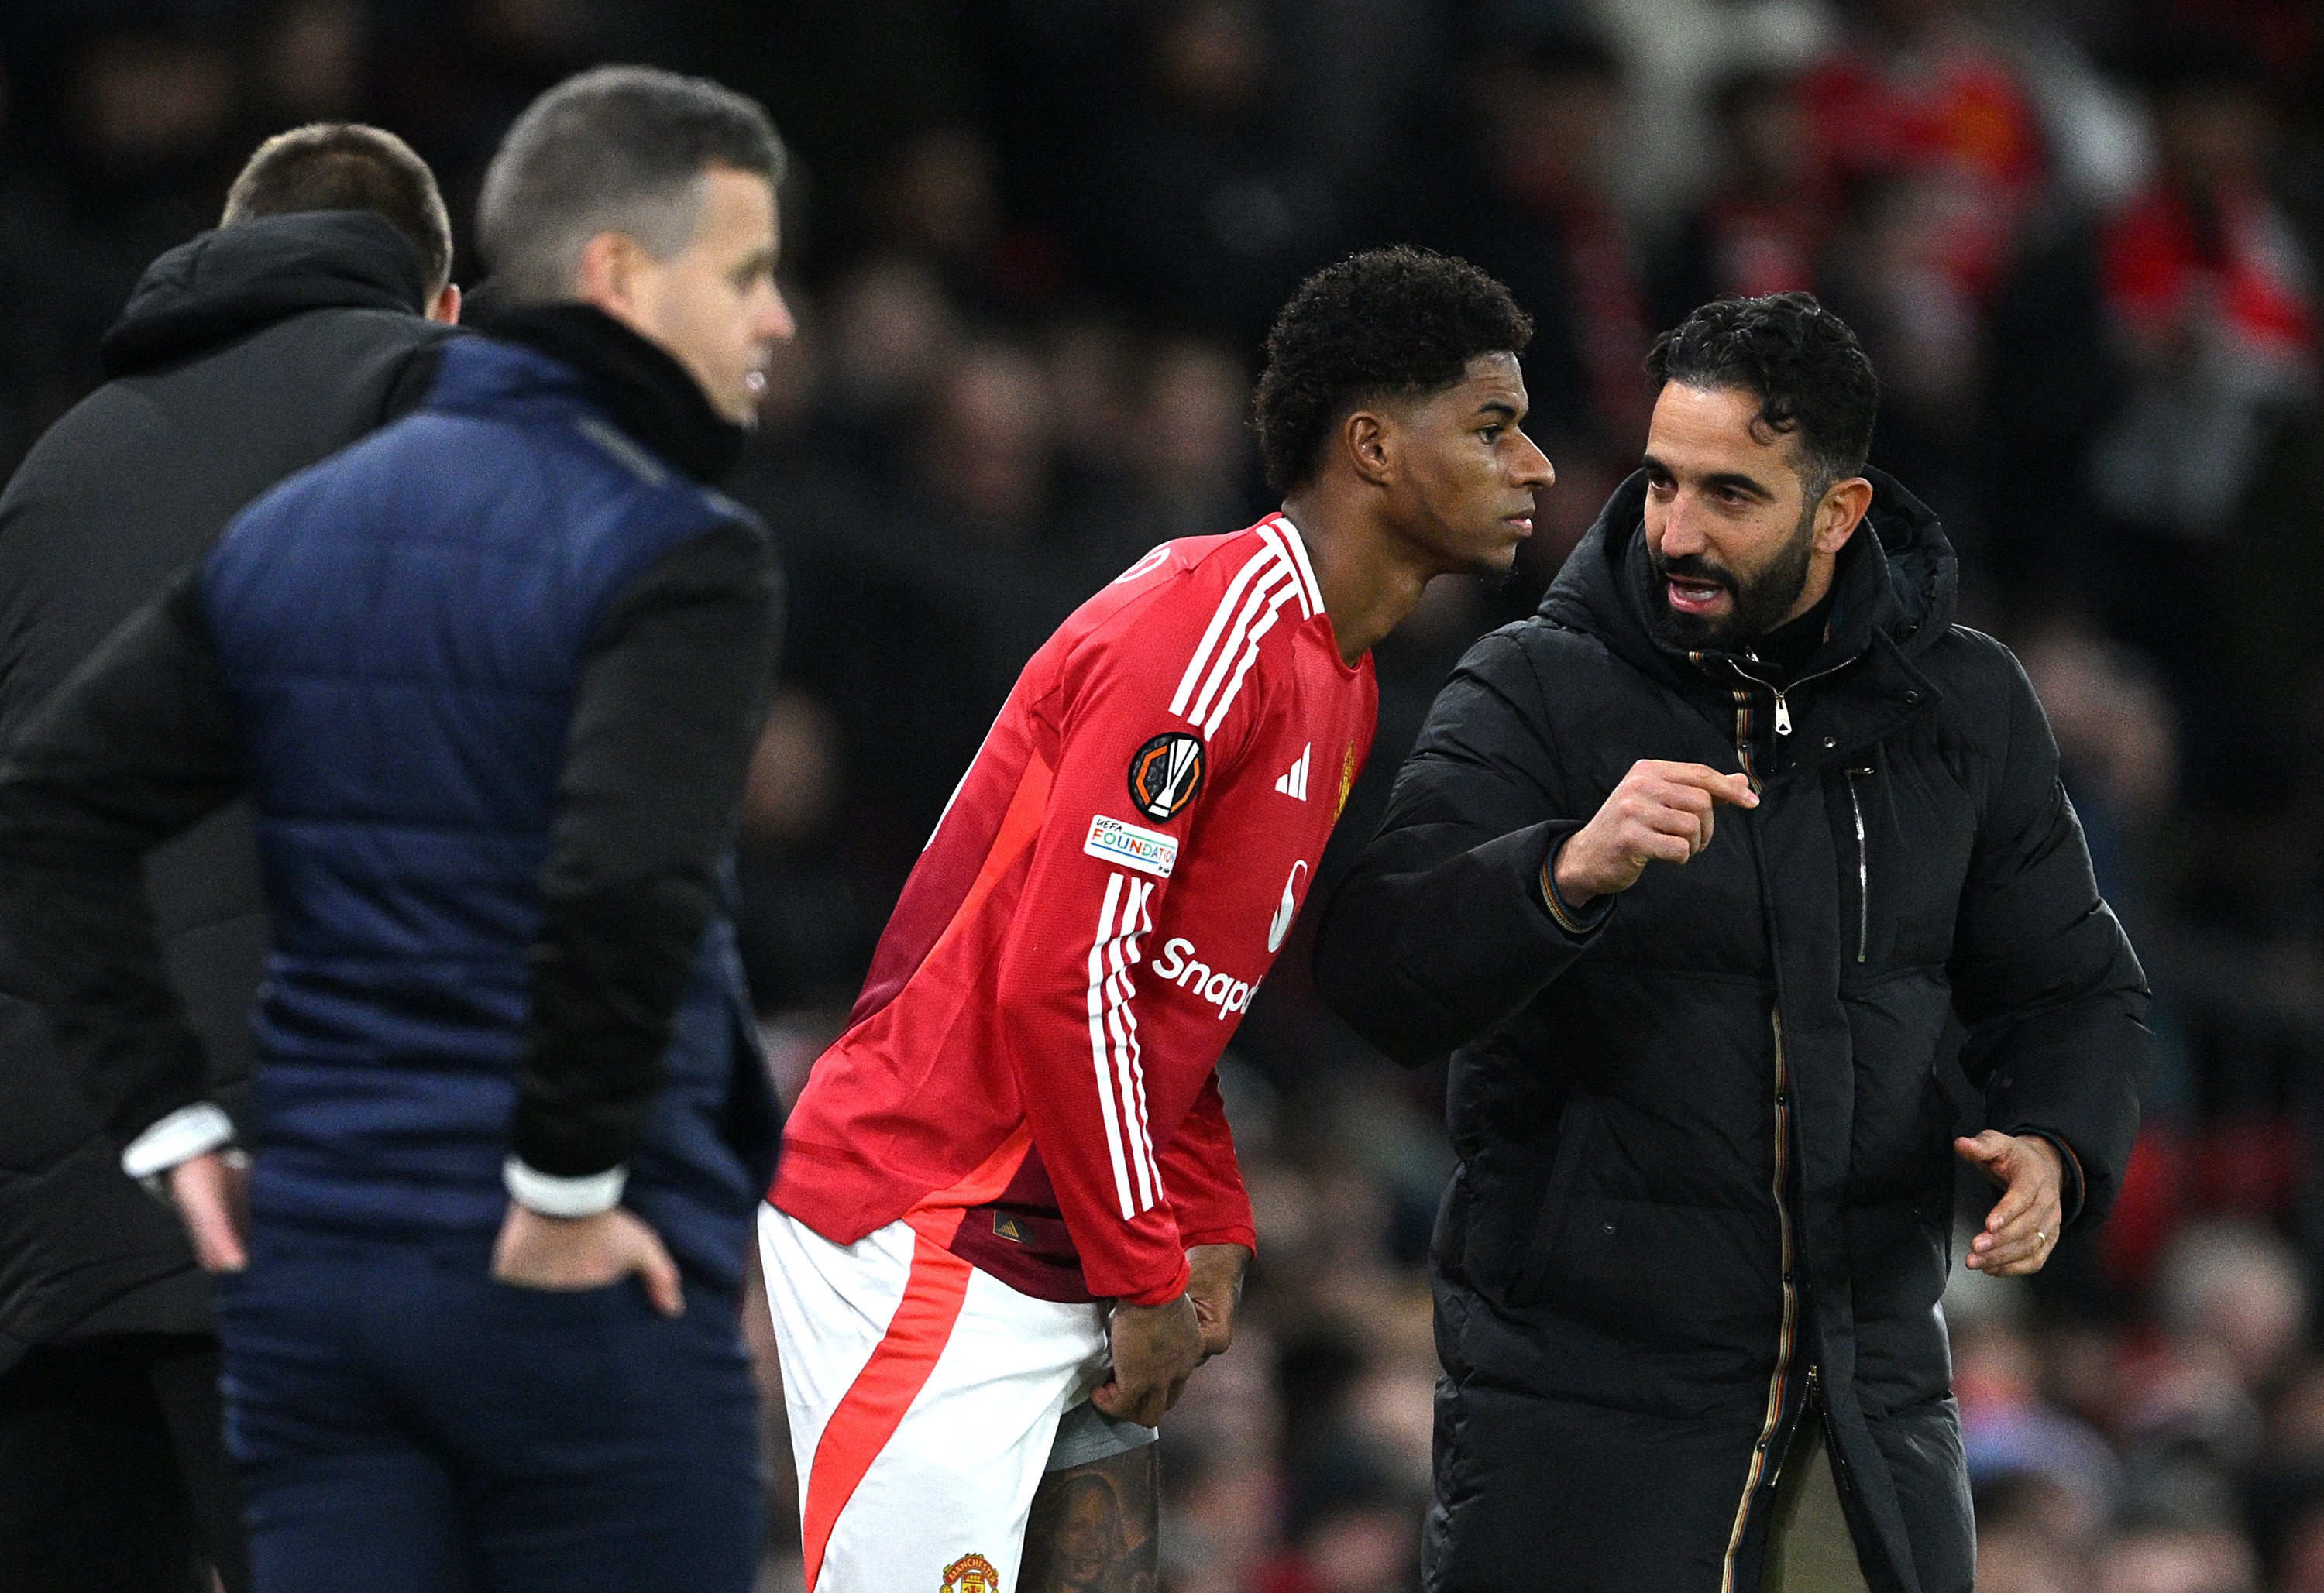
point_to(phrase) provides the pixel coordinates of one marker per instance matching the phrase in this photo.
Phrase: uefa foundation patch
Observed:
(1149, 851)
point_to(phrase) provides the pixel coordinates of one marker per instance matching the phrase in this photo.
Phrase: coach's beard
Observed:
(1760, 604)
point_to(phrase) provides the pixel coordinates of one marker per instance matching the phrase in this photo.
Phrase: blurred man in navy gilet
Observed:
(491, 679)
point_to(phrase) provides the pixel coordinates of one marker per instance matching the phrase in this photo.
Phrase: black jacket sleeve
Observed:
(1441, 931)
(670, 704)
(135, 746)
(2043, 978)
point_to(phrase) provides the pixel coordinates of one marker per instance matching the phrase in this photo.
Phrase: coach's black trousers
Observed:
(112, 1475)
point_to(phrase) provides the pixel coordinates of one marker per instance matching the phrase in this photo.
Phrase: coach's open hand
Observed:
(1215, 1285)
(1660, 813)
(2023, 1228)
(1155, 1348)
(537, 1252)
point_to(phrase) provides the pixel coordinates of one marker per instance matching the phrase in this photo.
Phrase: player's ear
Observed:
(1367, 439)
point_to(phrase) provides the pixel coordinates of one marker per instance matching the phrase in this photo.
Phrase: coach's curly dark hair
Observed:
(1379, 324)
(1803, 361)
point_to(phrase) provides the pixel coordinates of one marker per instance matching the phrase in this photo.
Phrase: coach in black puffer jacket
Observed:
(1705, 1144)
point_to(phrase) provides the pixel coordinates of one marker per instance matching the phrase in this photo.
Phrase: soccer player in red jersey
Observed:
(1008, 1193)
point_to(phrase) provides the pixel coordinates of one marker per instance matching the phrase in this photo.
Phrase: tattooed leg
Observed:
(1096, 1528)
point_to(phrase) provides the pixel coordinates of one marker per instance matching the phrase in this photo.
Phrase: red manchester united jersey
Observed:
(1030, 1065)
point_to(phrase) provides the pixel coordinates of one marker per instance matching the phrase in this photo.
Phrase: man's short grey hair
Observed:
(618, 148)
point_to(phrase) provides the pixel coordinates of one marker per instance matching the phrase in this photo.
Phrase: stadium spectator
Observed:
(1642, 1295)
(491, 678)
(1184, 468)
(310, 60)
(248, 354)
(2210, 308)
(1532, 200)
(150, 112)
(60, 296)
(1200, 190)
(1760, 230)
(1918, 100)
(2177, 1558)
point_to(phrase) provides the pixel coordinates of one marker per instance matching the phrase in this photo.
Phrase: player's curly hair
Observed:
(1805, 363)
(1387, 322)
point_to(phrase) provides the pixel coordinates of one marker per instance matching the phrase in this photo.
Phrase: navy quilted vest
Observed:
(401, 630)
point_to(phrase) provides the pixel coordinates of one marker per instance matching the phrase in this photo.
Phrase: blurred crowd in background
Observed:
(1035, 245)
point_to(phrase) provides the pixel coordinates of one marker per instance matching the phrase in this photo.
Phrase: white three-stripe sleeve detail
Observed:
(1271, 590)
(1099, 1048)
(1251, 656)
(1137, 1055)
(1218, 622)
(1276, 535)
(1121, 1034)
(1121, 1021)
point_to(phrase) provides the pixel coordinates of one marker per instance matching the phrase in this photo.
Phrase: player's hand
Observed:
(1156, 1347)
(537, 1252)
(212, 1194)
(2023, 1228)
(1215, 1287)
(1661, 813)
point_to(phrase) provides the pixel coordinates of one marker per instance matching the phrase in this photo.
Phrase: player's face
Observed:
(713, 304)
(1736, 544)
(1468, 474)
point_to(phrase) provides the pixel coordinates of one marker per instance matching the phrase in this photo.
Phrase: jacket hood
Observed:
(1897, 580)
(226, 283)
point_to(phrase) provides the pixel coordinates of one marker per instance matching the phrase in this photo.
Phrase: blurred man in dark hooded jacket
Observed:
(309, 318)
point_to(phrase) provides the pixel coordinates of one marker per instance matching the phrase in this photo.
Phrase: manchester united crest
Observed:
(971, 1573)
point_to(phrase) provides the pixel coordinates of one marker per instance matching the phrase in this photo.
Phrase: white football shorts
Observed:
(924, 1397)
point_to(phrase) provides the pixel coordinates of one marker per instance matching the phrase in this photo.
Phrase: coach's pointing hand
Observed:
(1660, 813)
(1156, 1347)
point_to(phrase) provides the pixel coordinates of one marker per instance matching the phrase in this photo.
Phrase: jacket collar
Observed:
(225, 284)
(639, 384)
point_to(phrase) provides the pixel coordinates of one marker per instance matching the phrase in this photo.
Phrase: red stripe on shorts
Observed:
(867, 1417)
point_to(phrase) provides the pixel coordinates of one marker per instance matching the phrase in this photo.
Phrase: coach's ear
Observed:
(1844, 503)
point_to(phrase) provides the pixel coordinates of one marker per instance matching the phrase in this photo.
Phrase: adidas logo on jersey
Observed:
(1294, 783)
